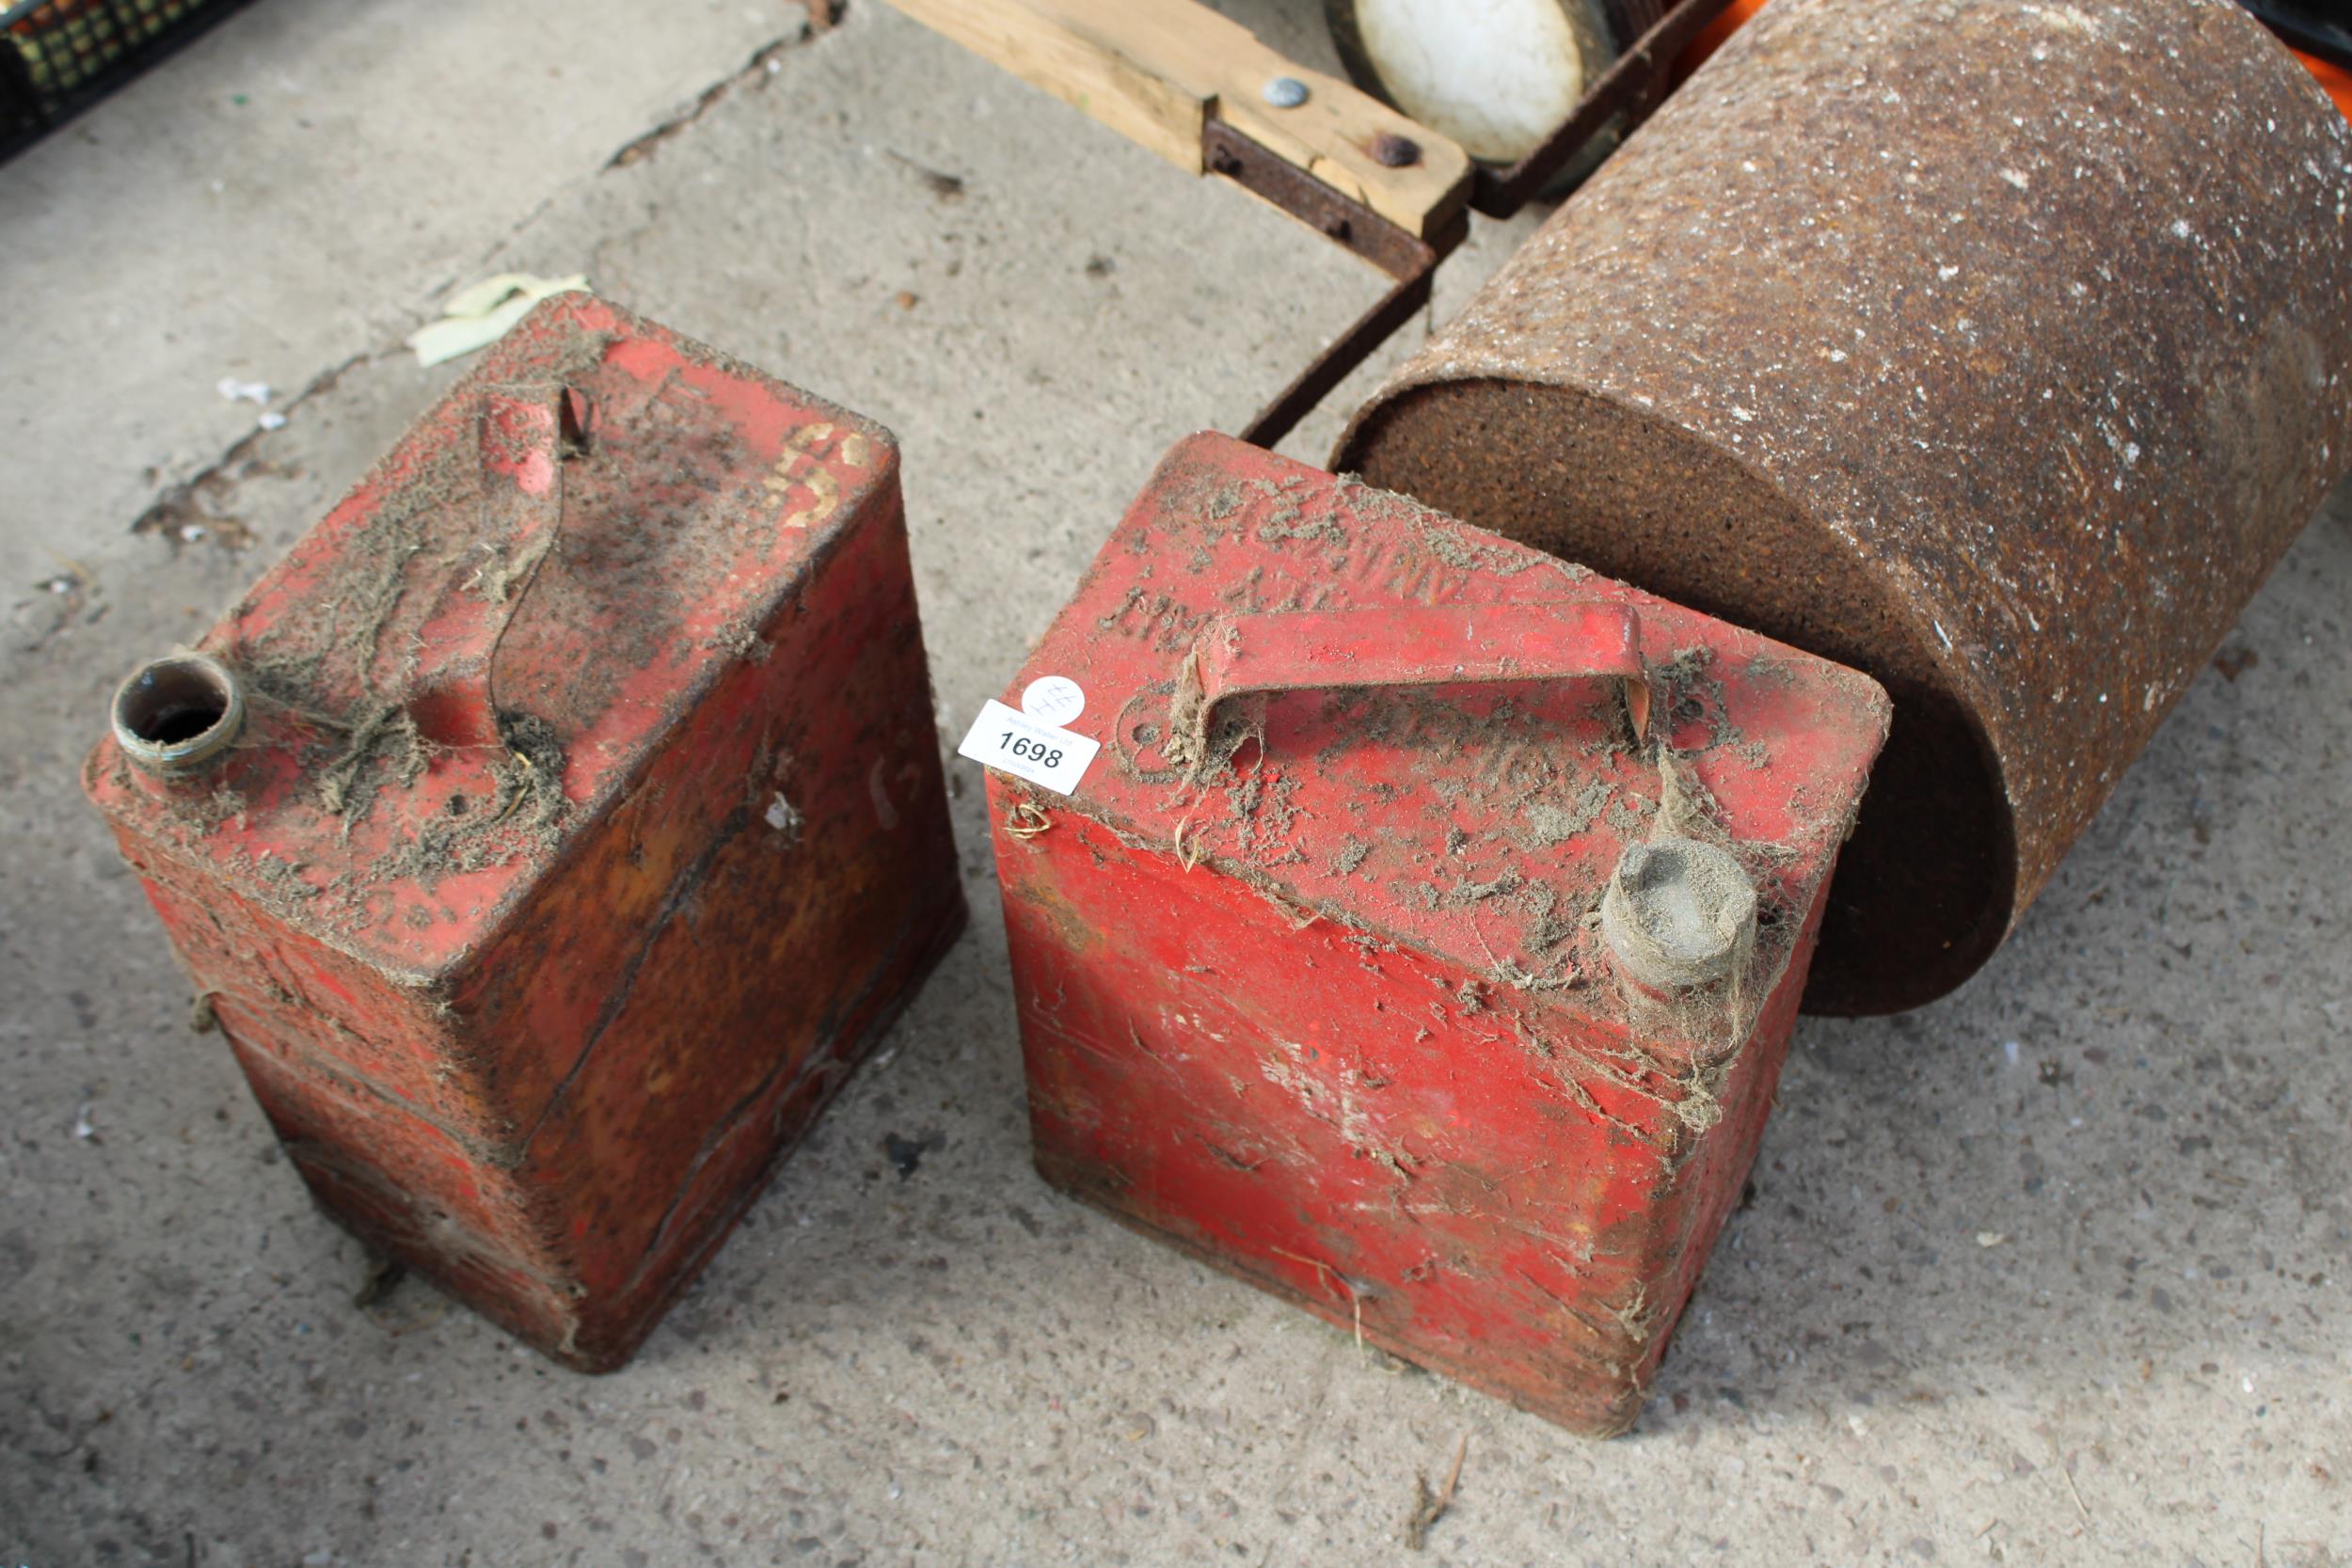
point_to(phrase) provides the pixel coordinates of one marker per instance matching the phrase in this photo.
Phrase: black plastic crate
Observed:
(58, 55)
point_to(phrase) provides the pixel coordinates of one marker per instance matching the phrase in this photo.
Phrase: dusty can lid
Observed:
(1680, 913)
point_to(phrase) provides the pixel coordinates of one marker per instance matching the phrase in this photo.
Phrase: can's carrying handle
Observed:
(521, 440)
(1235, 655)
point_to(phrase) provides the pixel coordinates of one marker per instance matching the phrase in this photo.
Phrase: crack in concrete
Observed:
(194, 504)
(196, 508)
(763, 63)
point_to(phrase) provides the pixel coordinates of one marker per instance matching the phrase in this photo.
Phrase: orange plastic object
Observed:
(1734, 16)
(2333, 79)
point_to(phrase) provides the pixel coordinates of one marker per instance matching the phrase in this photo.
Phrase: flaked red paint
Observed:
(586, 825)
(1330, 1010)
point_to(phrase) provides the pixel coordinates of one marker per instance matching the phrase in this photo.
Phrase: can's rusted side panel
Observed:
(1996, 349)
(815, 885)
(587, 825)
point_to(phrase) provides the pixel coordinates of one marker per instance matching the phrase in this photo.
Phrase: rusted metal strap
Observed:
(1404, 256)
(1635, 83)
(1394, 249)
(1327, 369)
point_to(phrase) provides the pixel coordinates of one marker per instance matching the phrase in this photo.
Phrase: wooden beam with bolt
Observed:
(1157, 71)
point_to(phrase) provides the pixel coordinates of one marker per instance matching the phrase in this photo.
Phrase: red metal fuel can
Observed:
(554, 828)
(1422, 942)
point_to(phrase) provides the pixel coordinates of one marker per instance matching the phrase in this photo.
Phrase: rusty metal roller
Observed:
(1998, 349)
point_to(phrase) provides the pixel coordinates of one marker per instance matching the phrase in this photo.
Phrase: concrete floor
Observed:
(2144, 1098)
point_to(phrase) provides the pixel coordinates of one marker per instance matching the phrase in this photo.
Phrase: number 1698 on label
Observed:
(1013, 741)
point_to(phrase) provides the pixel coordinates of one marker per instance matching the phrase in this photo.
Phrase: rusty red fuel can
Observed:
(1408, 922)
(554, 828)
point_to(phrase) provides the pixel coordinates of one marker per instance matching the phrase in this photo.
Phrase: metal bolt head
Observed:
(1390, 151)
(1678, 913)
(1286, 92)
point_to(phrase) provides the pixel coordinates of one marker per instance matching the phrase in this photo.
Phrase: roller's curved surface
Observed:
(1997, 348)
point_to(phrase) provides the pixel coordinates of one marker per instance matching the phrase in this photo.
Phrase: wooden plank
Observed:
(1154, 71)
